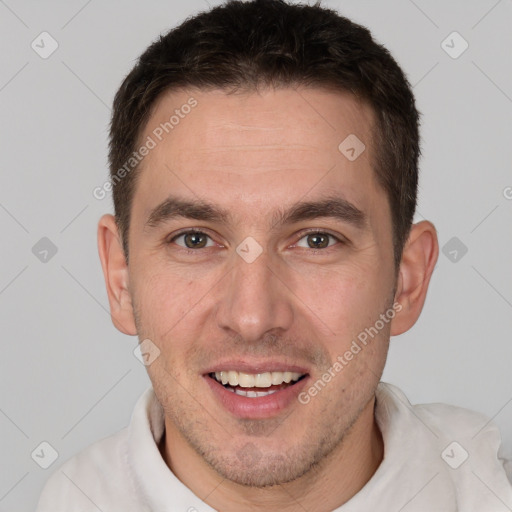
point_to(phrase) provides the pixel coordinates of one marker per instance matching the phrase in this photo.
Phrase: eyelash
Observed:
(304, 234)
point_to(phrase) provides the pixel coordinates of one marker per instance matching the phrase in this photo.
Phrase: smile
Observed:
(248, 394)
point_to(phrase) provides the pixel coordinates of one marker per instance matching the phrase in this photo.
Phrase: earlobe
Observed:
(418, 261)
(115, 272)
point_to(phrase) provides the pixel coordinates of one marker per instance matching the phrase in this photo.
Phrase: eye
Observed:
(192, 240)
(317, 240)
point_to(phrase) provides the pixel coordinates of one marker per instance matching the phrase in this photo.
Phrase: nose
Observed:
(255, 300)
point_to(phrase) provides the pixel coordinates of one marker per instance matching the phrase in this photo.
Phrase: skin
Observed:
(253, 153)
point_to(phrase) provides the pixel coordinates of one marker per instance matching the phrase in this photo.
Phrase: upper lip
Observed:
(255, 367)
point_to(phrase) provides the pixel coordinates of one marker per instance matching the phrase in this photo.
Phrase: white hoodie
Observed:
(437, 458)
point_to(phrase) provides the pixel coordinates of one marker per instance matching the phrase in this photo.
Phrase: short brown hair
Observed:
(245, 45)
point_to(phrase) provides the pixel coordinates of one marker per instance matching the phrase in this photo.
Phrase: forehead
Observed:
(274, 146)
(300, 120)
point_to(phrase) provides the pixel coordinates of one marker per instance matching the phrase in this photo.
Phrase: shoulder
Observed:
(443, 420)
(464, 446)
(100, 477)
(90, 480)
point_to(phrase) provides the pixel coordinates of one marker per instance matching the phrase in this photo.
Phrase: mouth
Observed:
(256, 385)
(256, 395)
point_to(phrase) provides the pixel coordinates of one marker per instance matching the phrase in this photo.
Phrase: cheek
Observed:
(344, 299)
(164, 300)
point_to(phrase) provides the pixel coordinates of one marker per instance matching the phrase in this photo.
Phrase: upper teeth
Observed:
(258, 380)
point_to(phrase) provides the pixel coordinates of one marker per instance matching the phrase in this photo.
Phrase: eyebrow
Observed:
(330, 207)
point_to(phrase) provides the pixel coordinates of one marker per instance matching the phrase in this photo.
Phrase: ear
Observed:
(418, 261)
(115, 271)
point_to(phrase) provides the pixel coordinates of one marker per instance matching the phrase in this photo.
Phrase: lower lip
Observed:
(256, 408)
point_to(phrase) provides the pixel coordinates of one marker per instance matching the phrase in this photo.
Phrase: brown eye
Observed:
(317, 240)
(192, 240)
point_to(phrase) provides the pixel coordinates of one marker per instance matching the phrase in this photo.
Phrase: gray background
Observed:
(69, 378)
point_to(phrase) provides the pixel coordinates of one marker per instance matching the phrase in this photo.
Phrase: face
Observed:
(257, 246)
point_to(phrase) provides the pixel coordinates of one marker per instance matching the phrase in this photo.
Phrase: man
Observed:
(263, 162)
